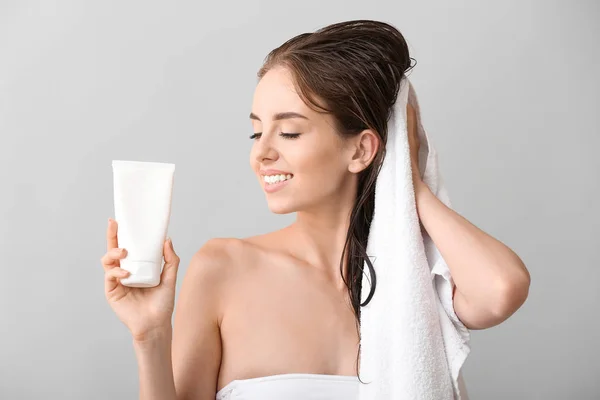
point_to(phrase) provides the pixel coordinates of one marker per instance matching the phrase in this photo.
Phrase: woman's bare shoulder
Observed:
(218, 253)
(225, 255)
(230, 257)
(219, 247)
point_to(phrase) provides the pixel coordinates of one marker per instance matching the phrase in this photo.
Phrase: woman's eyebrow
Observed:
(281, 115)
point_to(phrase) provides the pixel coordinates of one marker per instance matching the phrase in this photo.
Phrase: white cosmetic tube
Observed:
(142, 195)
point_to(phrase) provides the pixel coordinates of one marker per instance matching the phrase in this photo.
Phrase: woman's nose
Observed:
(265, 149)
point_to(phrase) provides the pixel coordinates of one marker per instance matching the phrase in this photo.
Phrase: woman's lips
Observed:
(273, 187)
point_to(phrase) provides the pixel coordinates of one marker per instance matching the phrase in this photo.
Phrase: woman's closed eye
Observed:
(282, 134)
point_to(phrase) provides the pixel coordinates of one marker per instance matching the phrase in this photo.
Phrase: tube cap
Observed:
(143, 273)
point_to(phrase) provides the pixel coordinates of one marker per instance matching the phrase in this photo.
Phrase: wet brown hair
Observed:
(351, 70)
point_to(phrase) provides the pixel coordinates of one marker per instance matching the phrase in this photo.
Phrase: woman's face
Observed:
(315, 157)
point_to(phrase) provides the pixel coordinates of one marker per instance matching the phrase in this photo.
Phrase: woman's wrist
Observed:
(155, 365)
(153, 338)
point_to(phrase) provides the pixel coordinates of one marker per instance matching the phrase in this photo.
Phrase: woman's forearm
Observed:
(155, 366)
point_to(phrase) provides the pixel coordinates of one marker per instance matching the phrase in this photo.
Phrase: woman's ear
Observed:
(365, 146)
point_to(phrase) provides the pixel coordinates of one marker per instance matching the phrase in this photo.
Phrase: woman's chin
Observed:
(281, 208)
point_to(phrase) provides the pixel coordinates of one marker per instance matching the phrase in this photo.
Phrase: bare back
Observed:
(281, 316)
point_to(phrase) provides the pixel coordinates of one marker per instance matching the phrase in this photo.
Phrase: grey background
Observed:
(509, 92)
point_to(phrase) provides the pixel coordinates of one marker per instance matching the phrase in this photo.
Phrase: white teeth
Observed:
(276, 178)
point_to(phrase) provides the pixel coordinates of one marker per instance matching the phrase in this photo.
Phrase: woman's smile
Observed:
(273, 183)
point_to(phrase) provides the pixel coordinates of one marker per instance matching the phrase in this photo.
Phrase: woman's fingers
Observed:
(111, 278)
(111, 235)
(112, 257)
(170, 256)
(169, 273)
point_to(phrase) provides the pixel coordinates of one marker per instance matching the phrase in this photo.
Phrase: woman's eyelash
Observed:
(283, 134)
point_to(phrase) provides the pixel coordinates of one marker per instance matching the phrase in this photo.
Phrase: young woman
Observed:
(277, 315)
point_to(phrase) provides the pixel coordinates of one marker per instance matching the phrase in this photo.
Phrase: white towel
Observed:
(412, 343)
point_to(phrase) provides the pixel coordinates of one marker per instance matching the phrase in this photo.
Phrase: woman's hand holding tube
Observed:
(145, 311)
